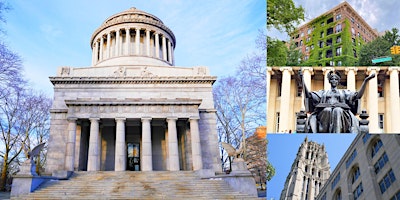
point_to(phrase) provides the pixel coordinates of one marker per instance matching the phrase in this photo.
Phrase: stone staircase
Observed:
(135, 185)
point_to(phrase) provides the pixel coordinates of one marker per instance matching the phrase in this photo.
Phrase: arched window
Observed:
(337, 195)
(354, 174)
(375, 147)
(306, 168)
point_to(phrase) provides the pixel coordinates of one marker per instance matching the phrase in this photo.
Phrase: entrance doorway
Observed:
(133, 159)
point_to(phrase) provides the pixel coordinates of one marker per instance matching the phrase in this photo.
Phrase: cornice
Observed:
(131, 101)
(133, 80)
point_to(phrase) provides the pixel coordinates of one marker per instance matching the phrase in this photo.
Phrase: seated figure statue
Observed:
(333, 110)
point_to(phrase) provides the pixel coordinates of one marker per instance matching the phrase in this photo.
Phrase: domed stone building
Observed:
(133, 109)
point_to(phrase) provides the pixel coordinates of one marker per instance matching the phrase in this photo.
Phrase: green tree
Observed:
(283, 15)
(380, 47)
(294, 56)
(277, 52)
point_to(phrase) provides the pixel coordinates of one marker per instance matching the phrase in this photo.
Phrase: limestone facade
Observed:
(132, 109)
(380, 99)
(370, 169)
(309, 172)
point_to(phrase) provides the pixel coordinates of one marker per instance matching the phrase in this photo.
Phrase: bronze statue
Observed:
(333, 110)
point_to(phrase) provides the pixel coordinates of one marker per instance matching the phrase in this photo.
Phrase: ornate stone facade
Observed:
(132, 109)
(310, 170)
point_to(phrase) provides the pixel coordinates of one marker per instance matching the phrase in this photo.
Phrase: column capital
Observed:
(326, 70)
(72, 119)
(270, 71)
(289, 69)
(194, 118)
(146, 119)
(94, 119)
(172, 118)
(120, 119)
(372, 69)
(310, 69)
(347, 69)
(390, 69)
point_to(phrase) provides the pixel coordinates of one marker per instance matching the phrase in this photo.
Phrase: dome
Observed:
(132, 37)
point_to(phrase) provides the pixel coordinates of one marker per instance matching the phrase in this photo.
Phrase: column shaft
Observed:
(157, 45)
(93, 157)
(117, 43)
(285, 99)
(394, 99)
(108, 45)
(70, 152)
(307, 72)
(137, 41)
(373, 101)
(173, 145)
(164, 48)
(351, 78)
(169, 52)
(127, 42)
(148, 42)
(120, 146)
(101, 47)
(196, 147)
(147, 155)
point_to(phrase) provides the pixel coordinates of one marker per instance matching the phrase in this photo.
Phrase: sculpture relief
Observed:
(121, 71)
(146, 73)
(65, 71)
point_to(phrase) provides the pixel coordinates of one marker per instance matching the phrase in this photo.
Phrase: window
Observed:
(355, 53)
(312, 47)
(338, 16)
(339, 63)
(375, 147)
(277, 122)
(381, 163)
(366, 137)
(322, 34)
(328, 54)
(338, 51)
(305, 58)
(301, 42)
(330, 20)
(353, 40)
(338, 39)
(338, 28)
(387, 181)
(302, 34)
(307, 49)
(355, 174)
(323, 24)
(308, 31)
(358, 191)
(329, 42)
(381, 121)
(338, 195)
(395, 197)
(353, 32)
(358, 34)
(308, 39)
(352, 20)
(380, 88)
(335, 181)
(351, 158)
(321, 44)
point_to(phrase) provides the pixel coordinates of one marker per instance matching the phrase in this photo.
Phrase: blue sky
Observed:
(52, 33)
(382, 15)
(282, 150)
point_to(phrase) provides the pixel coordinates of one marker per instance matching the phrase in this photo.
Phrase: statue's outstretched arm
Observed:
(360, 92)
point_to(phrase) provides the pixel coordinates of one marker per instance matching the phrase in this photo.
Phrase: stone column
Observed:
(326, 70)
(351, 78)
(147, 155)
(195, 140)
(285, 99)
(148, 42)
(137, 41)
(157, 45)
(120, 146)
(307, 72)
(164, 48)
(127, 41)
(394, 99)
(108, 45)
(173, 144)
(373, 100)
(169, 52)
(117, 41)
(70, 151)
(101, 47)
(93, 157)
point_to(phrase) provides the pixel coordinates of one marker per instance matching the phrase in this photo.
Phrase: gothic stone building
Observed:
(308, 174)
(370, 169)
(133, 109)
